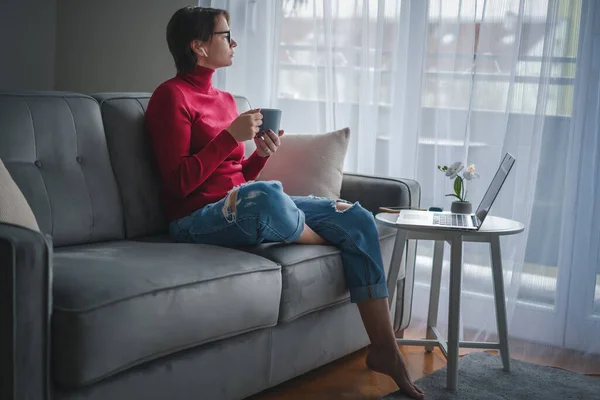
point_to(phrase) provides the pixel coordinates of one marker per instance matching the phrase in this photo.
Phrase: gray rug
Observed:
(480, 376)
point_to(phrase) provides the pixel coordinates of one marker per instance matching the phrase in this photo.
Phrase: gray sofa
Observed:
(102, 306)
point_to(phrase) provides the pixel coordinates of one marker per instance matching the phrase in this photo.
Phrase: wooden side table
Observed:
(490, 232)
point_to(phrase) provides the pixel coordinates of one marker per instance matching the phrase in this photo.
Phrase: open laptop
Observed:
(448, 220)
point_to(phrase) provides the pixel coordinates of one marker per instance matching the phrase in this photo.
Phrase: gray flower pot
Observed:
(461, 207)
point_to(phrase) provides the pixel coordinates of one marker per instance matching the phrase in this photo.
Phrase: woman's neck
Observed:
(200, 77)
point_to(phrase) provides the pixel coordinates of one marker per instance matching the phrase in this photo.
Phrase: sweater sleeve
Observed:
(169, 127)
(252, 166)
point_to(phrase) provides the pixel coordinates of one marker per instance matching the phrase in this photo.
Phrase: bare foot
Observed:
(393, 366)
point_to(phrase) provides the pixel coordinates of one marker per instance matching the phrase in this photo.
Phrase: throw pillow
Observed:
(309, 164)
(14, 208)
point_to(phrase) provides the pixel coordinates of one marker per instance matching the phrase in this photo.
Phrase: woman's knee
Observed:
(278, 215)
(249, 195)
(264, 196)
(263, 190)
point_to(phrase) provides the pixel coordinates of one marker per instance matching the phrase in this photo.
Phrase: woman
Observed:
(208, 189)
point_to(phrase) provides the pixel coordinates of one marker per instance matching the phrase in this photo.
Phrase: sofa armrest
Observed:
(25, 310)
(373, 192)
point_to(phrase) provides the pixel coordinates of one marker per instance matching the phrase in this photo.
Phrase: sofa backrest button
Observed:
(38, 163)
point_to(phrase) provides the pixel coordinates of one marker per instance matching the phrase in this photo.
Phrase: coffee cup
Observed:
(271, 120)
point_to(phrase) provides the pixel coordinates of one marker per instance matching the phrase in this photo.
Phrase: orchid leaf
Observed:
(458, 186)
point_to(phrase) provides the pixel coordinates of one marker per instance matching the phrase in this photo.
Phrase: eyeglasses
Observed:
(228, 33)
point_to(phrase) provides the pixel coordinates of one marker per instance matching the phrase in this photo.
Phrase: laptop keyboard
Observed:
(450, 219)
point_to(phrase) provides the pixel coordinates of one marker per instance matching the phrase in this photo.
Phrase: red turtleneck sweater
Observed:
(198, 161)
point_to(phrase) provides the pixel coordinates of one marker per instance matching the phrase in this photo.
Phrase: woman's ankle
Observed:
(385, 351)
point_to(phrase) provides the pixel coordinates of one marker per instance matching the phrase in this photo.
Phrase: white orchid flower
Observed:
(454, 169)
(470, 173)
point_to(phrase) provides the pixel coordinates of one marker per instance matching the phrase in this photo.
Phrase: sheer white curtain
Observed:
(422, 83)
(580, 240)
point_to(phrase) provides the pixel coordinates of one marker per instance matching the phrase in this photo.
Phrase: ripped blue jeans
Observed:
(264, 213)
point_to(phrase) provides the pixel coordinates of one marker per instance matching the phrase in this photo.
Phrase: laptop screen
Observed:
(494, 188)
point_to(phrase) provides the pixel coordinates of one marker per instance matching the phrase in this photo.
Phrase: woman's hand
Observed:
(246, 126)
(267, 143)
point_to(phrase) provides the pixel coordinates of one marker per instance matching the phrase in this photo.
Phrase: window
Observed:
(451, 69)
(358, 38)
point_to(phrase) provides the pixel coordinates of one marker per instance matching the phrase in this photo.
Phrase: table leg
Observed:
(396, 263)
(499, 298)
(434, 291)
(454, 311)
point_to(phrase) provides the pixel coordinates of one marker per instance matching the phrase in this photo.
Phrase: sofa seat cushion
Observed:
(119, 304)
(312, 276)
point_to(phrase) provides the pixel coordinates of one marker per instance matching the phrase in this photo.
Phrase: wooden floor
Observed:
(349, 378)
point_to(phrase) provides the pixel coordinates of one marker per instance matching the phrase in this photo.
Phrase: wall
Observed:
(113, 45)
(27, 44)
